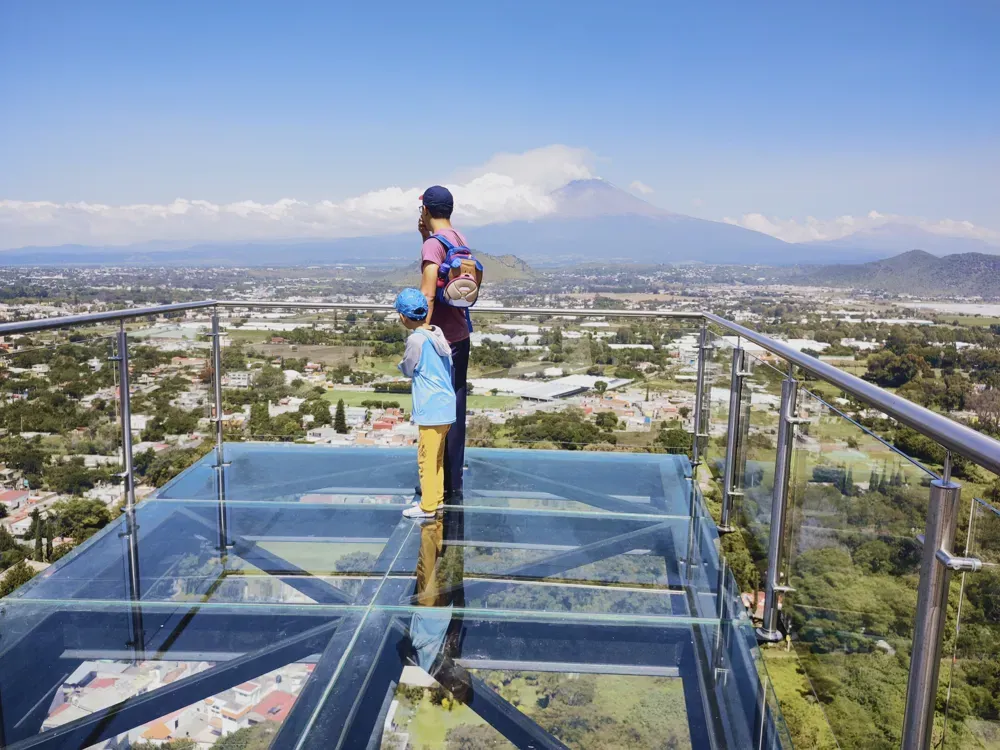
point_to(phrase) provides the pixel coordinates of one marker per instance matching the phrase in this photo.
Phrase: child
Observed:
(428, 361)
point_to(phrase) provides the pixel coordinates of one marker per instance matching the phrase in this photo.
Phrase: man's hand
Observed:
(425, 232)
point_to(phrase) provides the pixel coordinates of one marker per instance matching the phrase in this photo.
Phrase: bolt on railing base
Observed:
(769, 636)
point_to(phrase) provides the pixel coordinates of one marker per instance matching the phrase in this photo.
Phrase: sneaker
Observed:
(418, 513)
(415, 503)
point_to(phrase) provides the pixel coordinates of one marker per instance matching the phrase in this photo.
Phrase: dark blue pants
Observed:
(454, 447)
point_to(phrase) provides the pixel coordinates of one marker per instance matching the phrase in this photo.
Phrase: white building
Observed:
(238, 379)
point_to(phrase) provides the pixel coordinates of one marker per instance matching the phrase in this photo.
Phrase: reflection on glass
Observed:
(852, 561)
(973, 674)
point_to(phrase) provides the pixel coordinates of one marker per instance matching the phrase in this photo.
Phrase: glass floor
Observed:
(570, 600)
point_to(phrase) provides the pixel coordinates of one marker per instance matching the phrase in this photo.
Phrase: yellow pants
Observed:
(430, 464)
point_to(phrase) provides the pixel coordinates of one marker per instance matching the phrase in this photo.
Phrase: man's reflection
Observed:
(435, 634)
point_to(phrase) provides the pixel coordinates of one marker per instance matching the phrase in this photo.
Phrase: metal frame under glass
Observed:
(282, 592)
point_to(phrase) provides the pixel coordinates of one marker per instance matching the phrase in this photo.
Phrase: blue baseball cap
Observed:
(412, 304)
(438, 200)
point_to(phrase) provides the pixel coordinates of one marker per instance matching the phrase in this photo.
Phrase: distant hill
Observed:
(495, 268)
(889, 239)
(916, 272)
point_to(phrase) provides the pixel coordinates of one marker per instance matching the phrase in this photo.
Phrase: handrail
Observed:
(561, 312)
(977, 447)
(956, 437)
(68, 321)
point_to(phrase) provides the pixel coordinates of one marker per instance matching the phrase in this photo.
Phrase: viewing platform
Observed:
(596, 570)
(272, 594)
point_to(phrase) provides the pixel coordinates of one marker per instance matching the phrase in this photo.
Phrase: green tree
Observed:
(340, 420)
(600, 386)
(256, 737)
(319, 409)
(16, 577)
(606, 420)
(269, 378)
(568, 429)
(259, 422)
(37, 521)
(72, 477)
(81, 518)
(184, 744)
(673, 437)
(892, 371)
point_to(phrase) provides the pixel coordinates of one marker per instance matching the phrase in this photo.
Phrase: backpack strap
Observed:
(448, 246)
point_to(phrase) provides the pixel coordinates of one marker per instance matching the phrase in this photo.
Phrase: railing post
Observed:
(733, 471)
(131, 532)
(220, 464)
(699, 399)
(932, 609)
(124, 399)
(769, 631)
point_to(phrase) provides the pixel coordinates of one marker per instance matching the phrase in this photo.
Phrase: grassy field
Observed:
(799, 707)
(970, 320)
(476, 401)
(428, 724)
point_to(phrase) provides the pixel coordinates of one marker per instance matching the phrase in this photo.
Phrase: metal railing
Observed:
(938, 561)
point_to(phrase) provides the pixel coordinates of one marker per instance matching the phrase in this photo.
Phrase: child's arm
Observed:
(411, 357)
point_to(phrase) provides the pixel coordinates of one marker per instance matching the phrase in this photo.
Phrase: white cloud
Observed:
(640, 187)
(507, 187)
(811, 229)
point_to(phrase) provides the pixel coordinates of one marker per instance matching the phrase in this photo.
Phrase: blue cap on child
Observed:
(412, 304)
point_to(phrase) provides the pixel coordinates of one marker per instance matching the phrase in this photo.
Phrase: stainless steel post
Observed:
(124, 400)
(217, 381)
(220, 464)
(732, 470)
(131, 532)
(779, 500)
(699, 397)
(932, 609)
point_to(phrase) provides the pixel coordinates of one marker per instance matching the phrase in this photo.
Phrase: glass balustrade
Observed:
(577, 594)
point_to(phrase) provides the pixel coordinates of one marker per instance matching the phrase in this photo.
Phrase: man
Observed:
(436, 207)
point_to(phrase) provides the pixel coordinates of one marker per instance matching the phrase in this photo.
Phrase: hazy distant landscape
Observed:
(595, 221)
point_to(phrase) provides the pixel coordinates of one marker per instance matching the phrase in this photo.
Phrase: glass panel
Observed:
(60, 450)
(760, 406)
(973, 675)
(435, 678)
(85, 674)
(551, 480)
(303, 553)
(717, 385)
(856, 506)
(293, 617)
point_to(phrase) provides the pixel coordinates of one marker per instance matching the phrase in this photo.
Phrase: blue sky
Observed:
(722, 109)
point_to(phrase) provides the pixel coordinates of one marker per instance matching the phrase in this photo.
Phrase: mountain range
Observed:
(916, 272)
(592, 220)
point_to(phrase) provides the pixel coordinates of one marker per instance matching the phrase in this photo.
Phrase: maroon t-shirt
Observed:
(451, 320)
